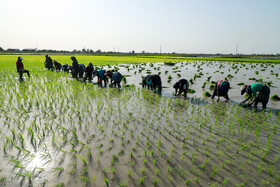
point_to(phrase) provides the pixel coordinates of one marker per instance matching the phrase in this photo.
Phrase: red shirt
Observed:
(19, 64)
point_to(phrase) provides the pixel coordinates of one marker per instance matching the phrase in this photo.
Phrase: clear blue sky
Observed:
(183, 26)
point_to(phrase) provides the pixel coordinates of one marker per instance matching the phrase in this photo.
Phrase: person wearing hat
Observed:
(88, 72)
(260, 91)
(116, 78)
(20, 68)
(221, 89)
(182, 86)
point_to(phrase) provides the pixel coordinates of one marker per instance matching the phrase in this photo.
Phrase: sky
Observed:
(181, 26)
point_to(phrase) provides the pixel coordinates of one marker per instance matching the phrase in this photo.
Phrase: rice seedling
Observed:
(169, 63)
(214, 171)
(145, 161)
(203, 86)
(275, 97)
(191, 91)
(83, 178)
(170, 179)
(83, 160)
(152, 152)
(207, 94)
(106, 182)
(191, 81)
(142, 179)
(58, 170)
(3, 181)
(156, 181)
(114, 159)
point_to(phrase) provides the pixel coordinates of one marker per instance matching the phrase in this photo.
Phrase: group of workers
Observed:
(79, 70)
(259, 91)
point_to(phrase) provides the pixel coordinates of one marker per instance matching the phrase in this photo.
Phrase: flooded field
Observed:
(204, 73)
(56, 131)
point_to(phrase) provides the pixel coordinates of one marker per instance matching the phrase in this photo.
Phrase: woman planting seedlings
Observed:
(75, 67)
(221, 89)
(81, 70)
(49, 63)
(57, 65)
(183, 86)
(101, 76)
(64, 68)
(260, 92)
(116, 78)
(88, 72)
(20, 68)
(152, 82)
(146, 81)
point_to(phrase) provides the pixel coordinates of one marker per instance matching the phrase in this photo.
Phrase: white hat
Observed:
(20, 58)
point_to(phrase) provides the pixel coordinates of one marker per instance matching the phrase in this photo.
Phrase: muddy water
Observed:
(60, 131)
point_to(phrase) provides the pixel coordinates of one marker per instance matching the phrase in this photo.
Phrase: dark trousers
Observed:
(116, 83)
(75, 74)
(23, 71)
(89, 77)
(99, 81)
(263, 96)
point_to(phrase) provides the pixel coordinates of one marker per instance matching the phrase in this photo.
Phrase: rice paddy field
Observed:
(56, 131)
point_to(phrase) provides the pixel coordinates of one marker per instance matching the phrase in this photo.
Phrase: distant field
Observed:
(37, 60)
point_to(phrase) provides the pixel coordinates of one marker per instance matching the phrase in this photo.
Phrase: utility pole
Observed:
(160, 49)
(236, 49)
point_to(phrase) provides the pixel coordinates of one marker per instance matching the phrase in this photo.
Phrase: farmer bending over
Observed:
(221, 89)
(260, 92)
(20, 68)
(156, 82)
(116, 78)
(182, 86)
(65, 68)
(101, 77)
(146, 83)
(75, 67)
(48, 63)
(88, 72)
(57, 65)
(81, 70)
